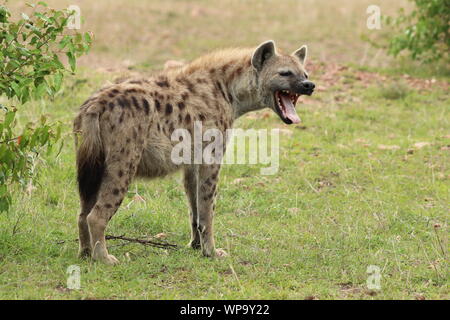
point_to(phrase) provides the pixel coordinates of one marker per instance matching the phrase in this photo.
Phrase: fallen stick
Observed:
(142, 241)
(135, 240)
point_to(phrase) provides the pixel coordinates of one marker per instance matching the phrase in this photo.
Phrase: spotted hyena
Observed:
(124, 131)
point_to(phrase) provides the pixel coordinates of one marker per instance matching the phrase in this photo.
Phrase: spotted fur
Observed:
(124, 131)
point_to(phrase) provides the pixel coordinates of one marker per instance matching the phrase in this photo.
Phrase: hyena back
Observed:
(124, 131)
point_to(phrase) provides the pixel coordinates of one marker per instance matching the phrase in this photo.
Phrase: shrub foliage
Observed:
(31, 67)
(424, 32)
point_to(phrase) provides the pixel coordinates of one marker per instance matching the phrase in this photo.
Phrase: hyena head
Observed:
(281, 79)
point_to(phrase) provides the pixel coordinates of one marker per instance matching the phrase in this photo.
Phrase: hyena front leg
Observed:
(206, 193)
(190, 187)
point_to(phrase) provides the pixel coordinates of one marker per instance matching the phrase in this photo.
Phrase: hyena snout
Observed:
(306, 87)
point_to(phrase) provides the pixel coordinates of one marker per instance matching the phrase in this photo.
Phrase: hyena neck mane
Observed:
(232, 75)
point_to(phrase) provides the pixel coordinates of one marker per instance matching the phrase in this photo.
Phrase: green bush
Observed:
(30, 68)
(424, 32)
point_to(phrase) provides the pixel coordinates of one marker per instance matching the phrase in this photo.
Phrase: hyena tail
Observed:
(90, 156)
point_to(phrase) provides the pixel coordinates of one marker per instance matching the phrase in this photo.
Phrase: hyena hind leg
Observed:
(89, 174)
(85, 250)
(112, 191)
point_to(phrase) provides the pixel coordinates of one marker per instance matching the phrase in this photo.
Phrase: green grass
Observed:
(352, 189)
(339, 203)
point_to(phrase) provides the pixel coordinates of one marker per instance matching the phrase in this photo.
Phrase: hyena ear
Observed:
(301, 54)
(264, 51)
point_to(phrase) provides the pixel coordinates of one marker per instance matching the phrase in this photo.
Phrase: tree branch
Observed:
(135, 240)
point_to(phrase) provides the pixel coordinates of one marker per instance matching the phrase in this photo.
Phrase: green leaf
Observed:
(58, 81)
(72, 62)
(87, 37)
(9, 118)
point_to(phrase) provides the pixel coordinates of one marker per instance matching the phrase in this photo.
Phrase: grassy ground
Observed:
(363, 181)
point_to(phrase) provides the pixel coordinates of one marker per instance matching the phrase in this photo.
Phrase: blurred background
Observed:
(145, 33)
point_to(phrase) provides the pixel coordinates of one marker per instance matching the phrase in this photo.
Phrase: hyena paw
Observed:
(220, 253)
(101, 254)
(110, 260)
(84, 253)
(194, 244)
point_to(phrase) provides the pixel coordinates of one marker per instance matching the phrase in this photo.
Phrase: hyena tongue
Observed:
(289, 109)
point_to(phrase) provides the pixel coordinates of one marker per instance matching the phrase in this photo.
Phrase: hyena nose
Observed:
(307, 85)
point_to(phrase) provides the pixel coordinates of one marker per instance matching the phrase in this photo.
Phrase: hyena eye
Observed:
(285, 73)
(306, 75)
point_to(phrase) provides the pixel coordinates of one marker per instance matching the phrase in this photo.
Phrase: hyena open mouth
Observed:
(285, 103)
